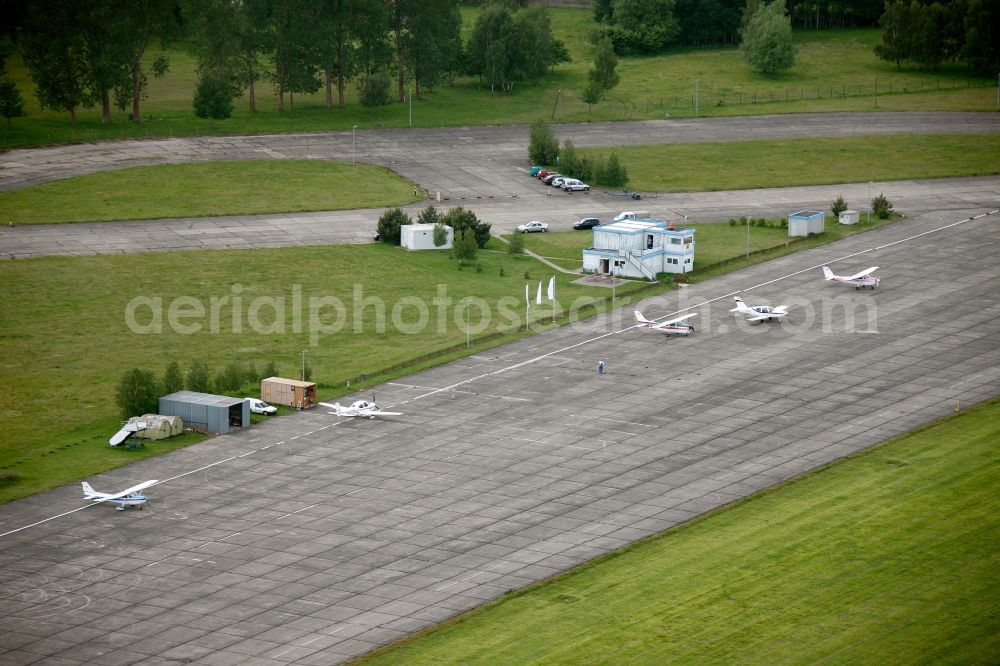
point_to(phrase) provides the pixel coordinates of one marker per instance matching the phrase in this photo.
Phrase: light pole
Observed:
(869, 202)
(303, 365)
(748, 238)
(697, 83)
(411, 107)
(354, 144)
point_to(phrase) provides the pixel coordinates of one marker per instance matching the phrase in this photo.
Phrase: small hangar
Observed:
(213, 413)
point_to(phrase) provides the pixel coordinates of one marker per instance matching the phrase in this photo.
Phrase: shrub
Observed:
(543, 148)
(270, 370)
(173, 380)
(390, 224)
(516, 245)
(838, 207)
(882, 207)
(198, 378)
(732, 222)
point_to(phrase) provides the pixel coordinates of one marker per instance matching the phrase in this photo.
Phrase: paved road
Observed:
(478, 167)
(464, 163)
(309, 540)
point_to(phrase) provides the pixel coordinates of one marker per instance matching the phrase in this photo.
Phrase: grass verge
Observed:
(886, 557)
(743, 165)
(207, 189)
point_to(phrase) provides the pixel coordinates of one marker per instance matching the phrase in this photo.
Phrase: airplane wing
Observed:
(678, 320)
(864, 273)
(332, 405)
(759, 317)
(134, 489)
(377, 412)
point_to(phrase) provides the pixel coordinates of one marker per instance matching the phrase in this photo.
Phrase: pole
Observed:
(303, 365)
(697, 83)
(748, 239)
(869, 202)
(411, 107)
(876, 92)
(354, 144)
(468, 334)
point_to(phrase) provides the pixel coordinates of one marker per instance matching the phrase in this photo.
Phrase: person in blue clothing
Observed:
(600, 367)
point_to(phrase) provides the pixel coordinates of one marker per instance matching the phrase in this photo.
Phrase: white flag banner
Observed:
(538, 296)
(552, 288)
(527, 294)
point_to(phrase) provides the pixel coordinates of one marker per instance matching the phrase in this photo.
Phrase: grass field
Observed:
(207, 189)
(65, 336)
(814, 161)
(886, 557)
(836, 70)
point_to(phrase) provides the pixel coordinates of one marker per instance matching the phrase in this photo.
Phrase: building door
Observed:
(605, 269)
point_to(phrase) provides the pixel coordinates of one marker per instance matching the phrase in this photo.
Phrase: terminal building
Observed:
(640, 248)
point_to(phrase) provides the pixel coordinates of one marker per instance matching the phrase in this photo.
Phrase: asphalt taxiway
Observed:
(310, 539)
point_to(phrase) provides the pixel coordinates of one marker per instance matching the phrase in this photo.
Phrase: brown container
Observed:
(288, 392)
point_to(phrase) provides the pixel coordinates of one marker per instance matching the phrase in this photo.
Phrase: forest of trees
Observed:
(91, 52)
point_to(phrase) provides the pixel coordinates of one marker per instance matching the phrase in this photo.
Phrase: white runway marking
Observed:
(559, 351)
(299, 511)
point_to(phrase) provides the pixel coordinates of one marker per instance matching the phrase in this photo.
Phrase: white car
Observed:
(574, 185)
(558, 181)
(532, 227)
(261, 407)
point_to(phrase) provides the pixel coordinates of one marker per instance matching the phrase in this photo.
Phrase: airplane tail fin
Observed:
(639, 318)
(740, 305)
(827, 273)
(87, 490)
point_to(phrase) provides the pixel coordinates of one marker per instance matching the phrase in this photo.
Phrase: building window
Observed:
(675, 241)
(689, 240)
(649, 242)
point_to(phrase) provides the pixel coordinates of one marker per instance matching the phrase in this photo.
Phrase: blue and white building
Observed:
(640, 248)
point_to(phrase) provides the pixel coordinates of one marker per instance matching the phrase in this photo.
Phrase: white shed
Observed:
(421, 237)
(806, 222)
(849, 217)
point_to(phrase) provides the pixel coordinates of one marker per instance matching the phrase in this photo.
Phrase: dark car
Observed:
(587, 223)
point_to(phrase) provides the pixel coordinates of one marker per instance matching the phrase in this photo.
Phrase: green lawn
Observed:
(206, 189)
(65, 336)
(744, 165)
(887, 557)
(835, 70)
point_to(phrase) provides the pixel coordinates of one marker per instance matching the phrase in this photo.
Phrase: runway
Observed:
(310, 540)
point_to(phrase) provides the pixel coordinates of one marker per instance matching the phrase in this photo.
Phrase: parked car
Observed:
(376, 236)
(550, 177)
(587, 223)
(535, 170)
(558, 181)
(543, 173)
(574, 185)
(261, 407)
(532, 227)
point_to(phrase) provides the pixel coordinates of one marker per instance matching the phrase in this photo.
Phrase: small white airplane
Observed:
(359, 408)
(128, 497)
(759, 312)
(678, 325)
(862, 279)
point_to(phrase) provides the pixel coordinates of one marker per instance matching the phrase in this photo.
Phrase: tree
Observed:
(435, 44)
(440, 234)
(131, 31)
(53, 55)
(640, 26)
(373, 89)
(767, 41)
(882, 207)
(533, 49)
(198, 378)
(461, 219)
(137, 393)
(428, 215)
(338, 46)
(11, 104)
(488, 49)
(270, 370)
(390, 224)
(982, 25)
(543, 148)
(464, 247)
(213, 97)
(230, 379)
(592, 94)
(173, 380)
(613, 174)
(838, 206)
(605, 65)
(895, 23)
(516, 245)
(568, 160)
